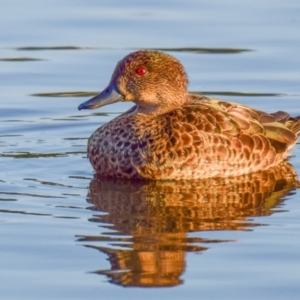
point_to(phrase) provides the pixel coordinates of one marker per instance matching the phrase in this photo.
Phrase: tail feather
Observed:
(281, 116)
(294, 125)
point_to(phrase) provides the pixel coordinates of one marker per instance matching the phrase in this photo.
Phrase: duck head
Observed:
(155, 81)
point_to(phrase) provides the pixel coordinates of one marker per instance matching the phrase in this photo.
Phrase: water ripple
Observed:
(205, 50)
(32, 195)
(37, 48)
(16, 59)
(48, 182)
(37, 155)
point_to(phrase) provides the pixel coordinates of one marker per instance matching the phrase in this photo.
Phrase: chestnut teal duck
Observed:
(170, 134)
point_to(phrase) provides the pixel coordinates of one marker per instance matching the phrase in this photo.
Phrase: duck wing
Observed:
(279, 127)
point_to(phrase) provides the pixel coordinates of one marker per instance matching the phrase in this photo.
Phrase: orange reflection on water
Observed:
(149, 222)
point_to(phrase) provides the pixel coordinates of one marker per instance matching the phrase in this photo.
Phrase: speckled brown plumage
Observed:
(171, 134)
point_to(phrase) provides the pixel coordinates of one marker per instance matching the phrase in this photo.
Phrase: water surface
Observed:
(67, 235)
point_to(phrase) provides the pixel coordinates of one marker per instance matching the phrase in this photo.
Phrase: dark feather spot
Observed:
(134, 147)
(126, 144)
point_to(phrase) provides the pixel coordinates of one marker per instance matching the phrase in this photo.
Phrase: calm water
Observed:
(65, 235)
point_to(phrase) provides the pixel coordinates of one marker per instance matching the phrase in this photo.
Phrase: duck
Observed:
(171, 134)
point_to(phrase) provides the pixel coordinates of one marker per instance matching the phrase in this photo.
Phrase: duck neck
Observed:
(160, 106)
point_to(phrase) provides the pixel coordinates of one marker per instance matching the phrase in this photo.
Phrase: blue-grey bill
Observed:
(108, 96)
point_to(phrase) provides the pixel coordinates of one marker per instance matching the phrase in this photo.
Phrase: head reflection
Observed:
(150, 221)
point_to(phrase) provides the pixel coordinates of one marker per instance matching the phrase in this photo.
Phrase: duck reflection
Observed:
(150, 222)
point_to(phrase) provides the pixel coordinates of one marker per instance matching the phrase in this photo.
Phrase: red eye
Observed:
(141, 71)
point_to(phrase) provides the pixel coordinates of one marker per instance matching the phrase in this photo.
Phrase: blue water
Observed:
(65, 236)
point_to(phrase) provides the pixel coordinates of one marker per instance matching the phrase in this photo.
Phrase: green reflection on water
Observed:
(37, 155)
(16, 59)
(205, 50)
(66, 94)
(35, 48)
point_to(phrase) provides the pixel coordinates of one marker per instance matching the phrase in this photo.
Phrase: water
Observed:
(65, 235)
